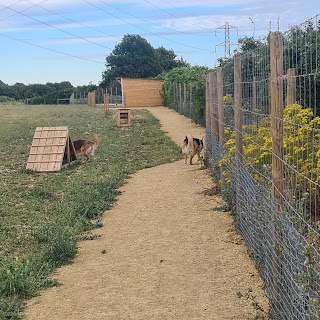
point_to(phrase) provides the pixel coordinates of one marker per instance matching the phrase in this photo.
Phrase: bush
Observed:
(301, 150)
(196, 76)
(5, 99)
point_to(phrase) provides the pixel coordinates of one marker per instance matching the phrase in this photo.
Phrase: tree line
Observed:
(133, 57)
(38, 93)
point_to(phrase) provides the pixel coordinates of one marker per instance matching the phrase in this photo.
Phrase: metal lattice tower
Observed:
(226, 42)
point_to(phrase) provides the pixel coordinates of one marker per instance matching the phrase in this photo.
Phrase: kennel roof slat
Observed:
(52, 137)
(45, 145)
(45, 153)
(51, 149)
(44, 161)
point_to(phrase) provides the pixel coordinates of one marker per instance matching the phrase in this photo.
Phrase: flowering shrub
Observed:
(301, 148)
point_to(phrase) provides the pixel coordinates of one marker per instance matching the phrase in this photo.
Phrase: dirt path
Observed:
(165, 252)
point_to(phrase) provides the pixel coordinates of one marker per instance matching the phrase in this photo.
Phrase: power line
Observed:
(157, 35)
(12, 5)
(73, 21)
(17, 12)
(21, 12)
(49, 49)
(169, 13)
(150, 22)
(59, 29)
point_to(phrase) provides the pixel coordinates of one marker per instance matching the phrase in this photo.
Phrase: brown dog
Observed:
(190, 147)
(86, 147)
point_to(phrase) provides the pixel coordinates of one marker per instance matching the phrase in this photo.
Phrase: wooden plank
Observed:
(46, 137)
(48, 152)
(45, 161)
(45, 145)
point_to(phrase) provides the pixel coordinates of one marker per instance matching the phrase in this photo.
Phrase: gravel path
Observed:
(165, 252)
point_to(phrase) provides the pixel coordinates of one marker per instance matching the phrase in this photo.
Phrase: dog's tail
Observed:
(190, 144)
(95, 141)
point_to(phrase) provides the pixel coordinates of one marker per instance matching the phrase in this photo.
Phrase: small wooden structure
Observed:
(123, 117)
(92, 98)
(106, 104)
(51, 149)
(141, 92)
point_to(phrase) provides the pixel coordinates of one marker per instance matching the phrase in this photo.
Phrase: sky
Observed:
(68, 40)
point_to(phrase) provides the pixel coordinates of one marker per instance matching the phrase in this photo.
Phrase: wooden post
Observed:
(254, 95)
(291, 86)
(184, 96)
(207, 102)
(220, 104)
(94, 98)
(190, 104)
(124, 100)
(177, 96)
(238, 105)
(180, 97)
(276, 100)
(106, 103)
(276, 61)
(215, 113)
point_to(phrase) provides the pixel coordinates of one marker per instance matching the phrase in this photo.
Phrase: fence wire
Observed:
(263, 149)
(282, 234)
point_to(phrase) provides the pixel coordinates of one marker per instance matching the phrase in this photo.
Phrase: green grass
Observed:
(43, 215)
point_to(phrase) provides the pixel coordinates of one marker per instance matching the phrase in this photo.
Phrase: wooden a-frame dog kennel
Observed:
(51, 149)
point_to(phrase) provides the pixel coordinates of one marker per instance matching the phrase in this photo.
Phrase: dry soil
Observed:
(167, 251)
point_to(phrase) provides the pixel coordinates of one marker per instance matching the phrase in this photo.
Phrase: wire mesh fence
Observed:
(182, 97)
(263, 148)
(263, 145)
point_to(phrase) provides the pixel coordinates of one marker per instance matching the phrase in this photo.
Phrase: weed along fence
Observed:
(262, 119)
(263, 145)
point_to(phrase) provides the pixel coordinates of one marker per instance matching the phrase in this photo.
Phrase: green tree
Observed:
(135, 57)
(166, 60)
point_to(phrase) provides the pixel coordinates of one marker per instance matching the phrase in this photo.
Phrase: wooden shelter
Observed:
(51, 149)
(141, 92)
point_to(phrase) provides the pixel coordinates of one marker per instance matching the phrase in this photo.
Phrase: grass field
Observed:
(42, 216)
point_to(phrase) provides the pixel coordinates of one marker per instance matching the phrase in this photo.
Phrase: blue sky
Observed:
(68, 40)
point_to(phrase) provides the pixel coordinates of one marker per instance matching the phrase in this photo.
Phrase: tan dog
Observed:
(190, 147)
(86, 147)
